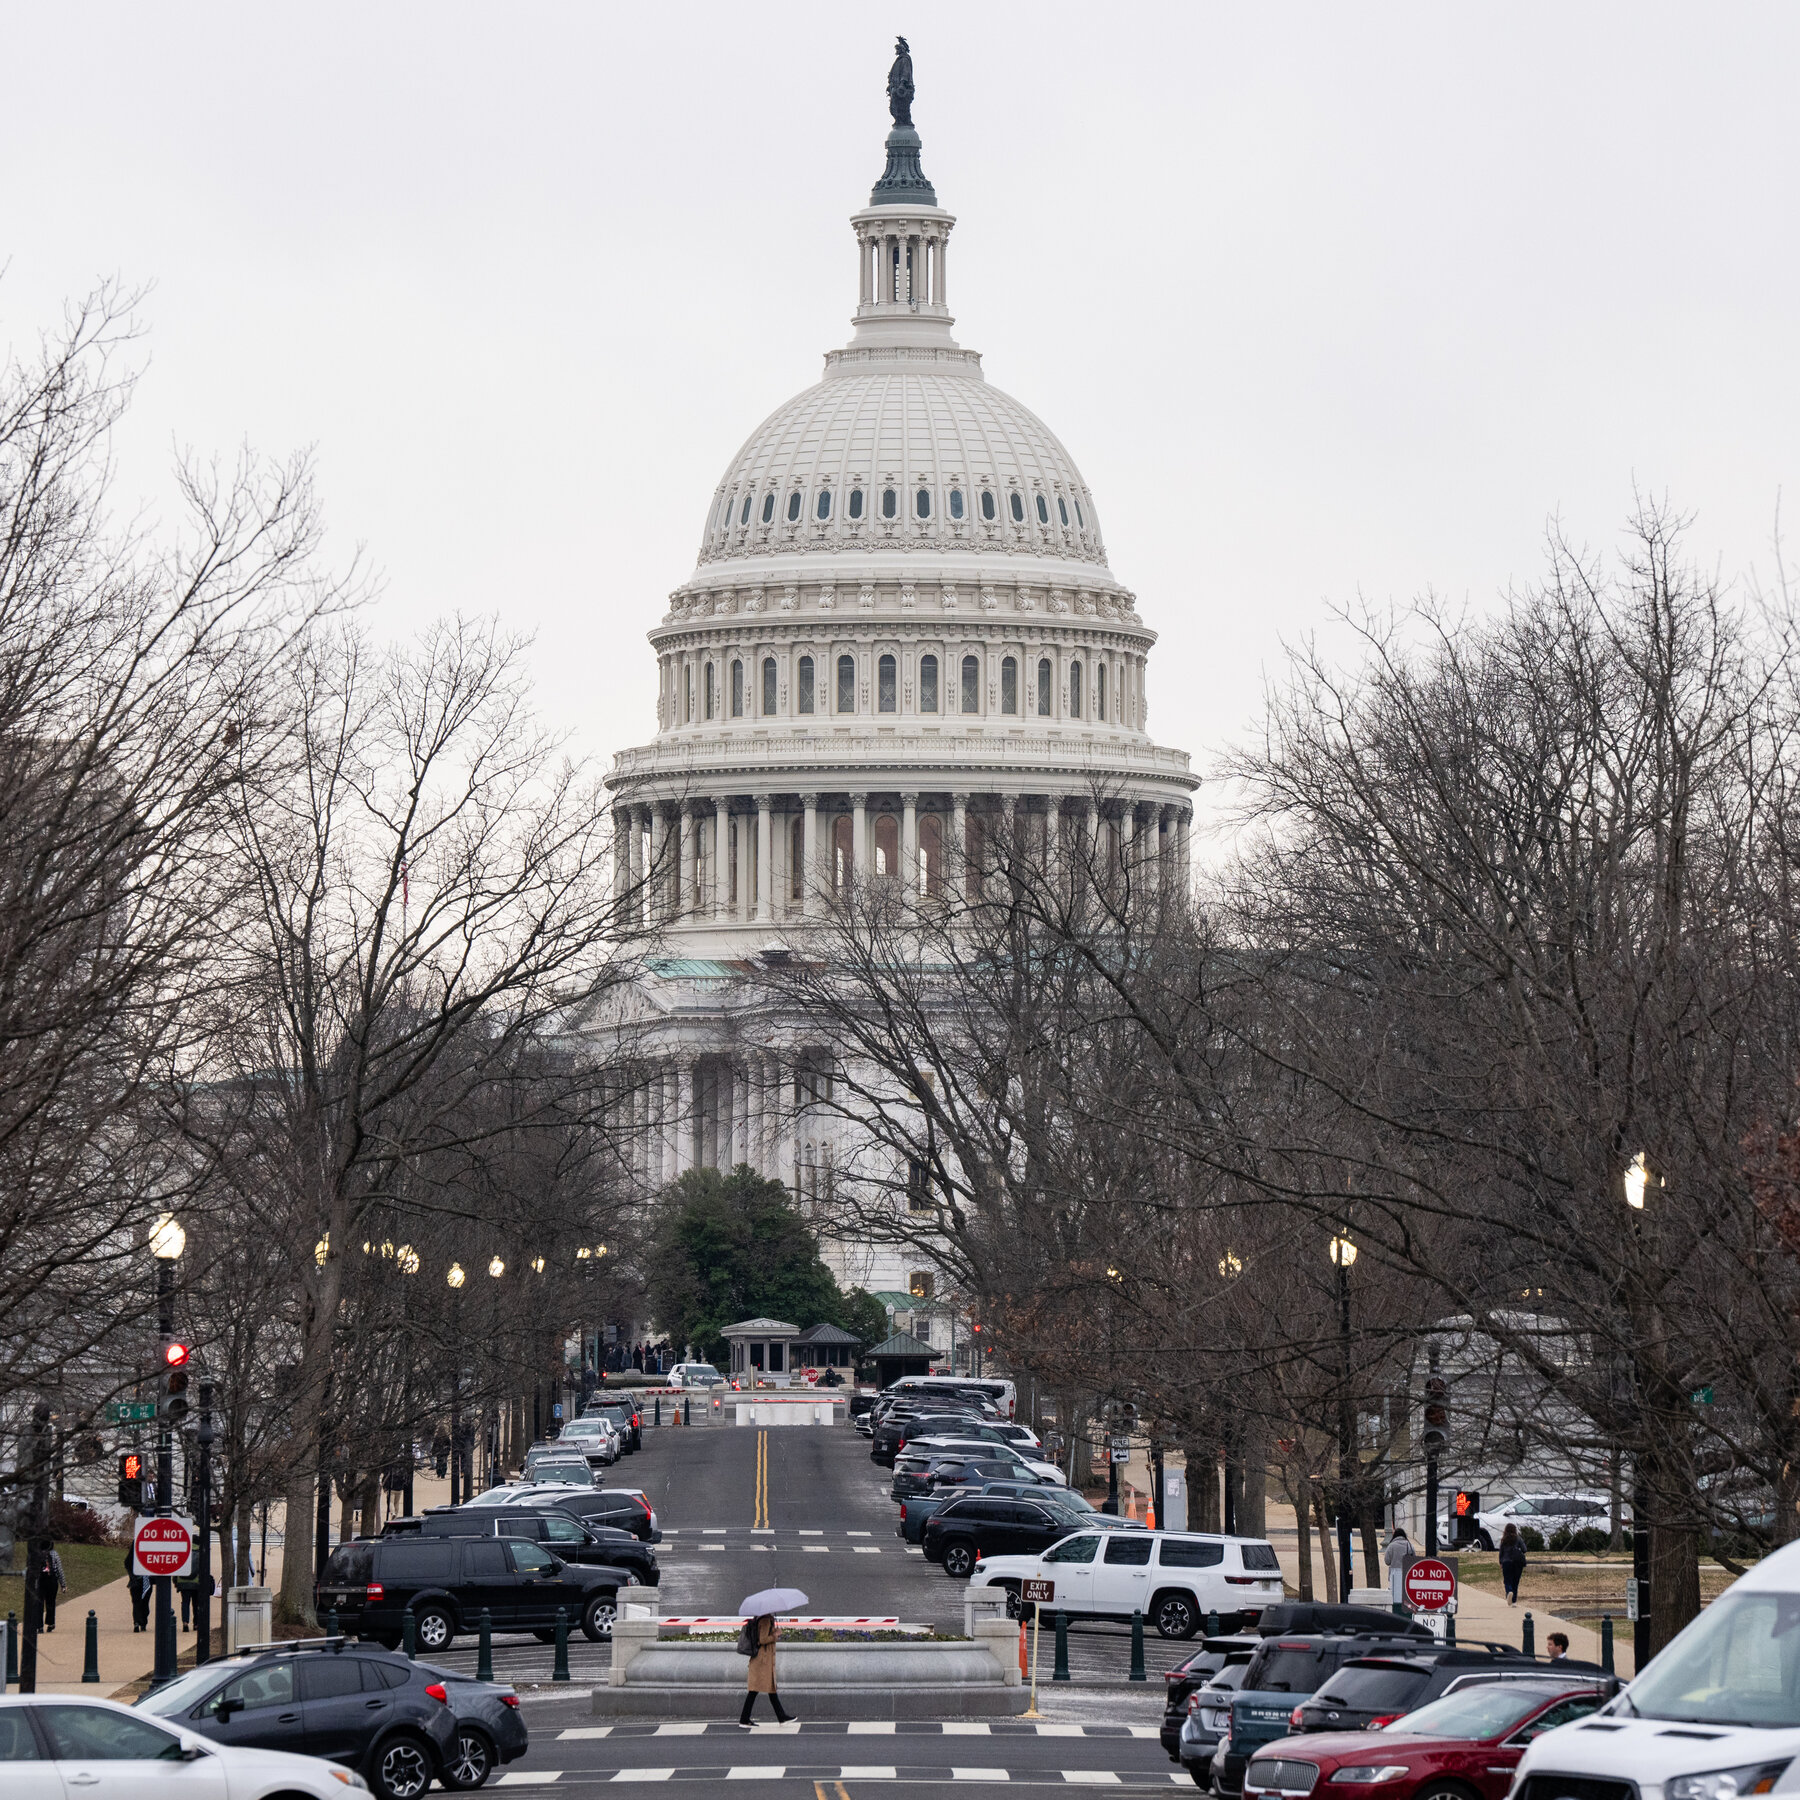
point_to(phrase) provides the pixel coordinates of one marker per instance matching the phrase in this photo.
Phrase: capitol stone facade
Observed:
(902, 629)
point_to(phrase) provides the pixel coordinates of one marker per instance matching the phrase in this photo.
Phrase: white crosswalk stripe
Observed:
(871, 1728)
(964, 1774)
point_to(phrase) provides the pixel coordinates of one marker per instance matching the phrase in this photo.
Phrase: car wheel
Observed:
(1174, 1616)
(1445, 1790)
(1486, 1542)
(959, 1560)
(1015, 1606)
(401, 1768)
(1200, 1781)
(597, 1618)
(472, 1761)
(433, 1629)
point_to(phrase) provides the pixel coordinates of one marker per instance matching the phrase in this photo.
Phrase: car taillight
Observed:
(634, 1421)
(1294, 1719)
(374, 1590)
(1385, 1719)
(509, 1700)
(902, 1512)
(438, 1691)
(1193, 1704)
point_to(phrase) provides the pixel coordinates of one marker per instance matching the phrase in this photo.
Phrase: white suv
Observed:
(1173, 1578)
(695, 1375)
(1716, 1712)
(1546, 1513)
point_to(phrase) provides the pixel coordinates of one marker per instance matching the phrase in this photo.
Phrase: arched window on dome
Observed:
(956, 503)
(1009, 685)
(890, 503)
(846, 684)
(768, 508)
(794, 506)
(1062, 510)
(1074, 690)
(768, 693)
(687, 693)
(887, 845)
(745, 517)
(737, 689)
(1018, 510)
(843, 851)
(887, 697)
(1043, 511)
(709, 690)
(856, 503)
(987, 503)
(971, 684)
(797, 858)
(1043, 696)
(823, 509)
(928, 684)
(806, 684)
(1100, 692)
(1080, 522)
(923, 503)
(931, 856)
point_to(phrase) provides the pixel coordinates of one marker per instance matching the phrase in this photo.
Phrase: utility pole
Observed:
(165, 1458)
(1436, 1434)
(203, 1530)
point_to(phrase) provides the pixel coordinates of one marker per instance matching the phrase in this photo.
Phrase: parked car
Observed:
(915, 1475)
(349, 1703)
(570, 1539)
(624, 1416)
(490, 1728)
(1192, 1673)
(1469, 1742)
(1715, 1712)
(56, 1743)
(1371, 1691)
(695, 1375)
(897, 1428)
(1080, 1511)
(445, 1583)
(551, 1462)
(1173, 1578)
(1207, 1714)
(627, 1508)
(979, 1525)
(989, 1390)
(962, 1444)
(596, 1437)
(1544, 1512)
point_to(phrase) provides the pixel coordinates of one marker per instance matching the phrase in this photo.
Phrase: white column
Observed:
(659, 875)
(721, 856)
(765, 854)
(621, 853)
(740, 1114)
(1093, 832)
(634, 861)
(660, 1147)
(1053, 832)
(943, 284)
(859, 834)
(745, 874)
(684, 1117)
(956, 852)
(687, 864)
(1010, 804)
(809, 846)
(909, 845)
(1128, 836)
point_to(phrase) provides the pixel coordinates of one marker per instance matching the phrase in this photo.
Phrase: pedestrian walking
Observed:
(1399, 1558)
(50, 1580)
(1512, 1562)
(757, 1641)
(138, 1587)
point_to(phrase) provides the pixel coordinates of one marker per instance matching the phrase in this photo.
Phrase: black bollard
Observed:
(657, 1419)
(561, 1671)
(90, 1664)
(1137, 1645)
(331, 1623)
(687, 1410)
(1212, 1623)
(409, 1635)
(1062, 1647)
(1450, 1629)
(1528, 1641)
(12, 1649)
(1606, 1647)
(484, 1647)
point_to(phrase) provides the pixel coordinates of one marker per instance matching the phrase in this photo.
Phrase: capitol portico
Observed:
(902, 636)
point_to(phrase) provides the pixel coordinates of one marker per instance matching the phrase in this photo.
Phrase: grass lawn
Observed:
(87, 1566)
(1574, 1584)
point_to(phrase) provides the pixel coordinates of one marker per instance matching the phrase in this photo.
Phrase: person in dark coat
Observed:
(761, 1678)
(138, 1586)
(1512, 1562)
(50, 1579)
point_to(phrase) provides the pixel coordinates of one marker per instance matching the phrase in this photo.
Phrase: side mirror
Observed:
(193, 1748)
(227, 1709)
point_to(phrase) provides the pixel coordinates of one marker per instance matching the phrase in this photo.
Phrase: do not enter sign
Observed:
(163, 1547)
(1430, 1585)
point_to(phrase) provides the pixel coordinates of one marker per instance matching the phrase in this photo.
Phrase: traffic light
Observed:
(1465, 1510)
(175, 1360)
(131, 1480)
(1437, 1415)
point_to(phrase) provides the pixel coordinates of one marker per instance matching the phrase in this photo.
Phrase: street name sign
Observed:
(1430, 1585)
(129, 1412)
(163, 1547)
(1039, 1593)
(1121, 1449)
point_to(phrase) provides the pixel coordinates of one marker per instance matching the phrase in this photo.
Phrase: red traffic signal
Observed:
(131, 1466)
(175, 1355)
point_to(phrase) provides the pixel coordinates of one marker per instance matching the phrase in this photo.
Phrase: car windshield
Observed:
(1490, 1709)
(1372, 1690)
(185, 1690)
(1231, 1676)
(1737, 1664)
(1289, 1671)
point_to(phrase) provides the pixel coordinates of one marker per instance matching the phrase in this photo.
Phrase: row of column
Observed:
(667, 862)
(902, 268)
(716, 1111)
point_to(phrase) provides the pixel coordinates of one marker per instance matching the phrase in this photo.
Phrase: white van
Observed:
(1174, 1578)
(695, 1375)
(1714, 1714)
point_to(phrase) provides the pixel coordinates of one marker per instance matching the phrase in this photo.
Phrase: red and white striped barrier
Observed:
(721, 1621)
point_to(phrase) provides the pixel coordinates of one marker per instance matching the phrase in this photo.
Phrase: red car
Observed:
(1469, 1741)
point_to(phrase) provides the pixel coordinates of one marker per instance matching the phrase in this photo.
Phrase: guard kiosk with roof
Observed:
(760, 1351)
(902, 1355)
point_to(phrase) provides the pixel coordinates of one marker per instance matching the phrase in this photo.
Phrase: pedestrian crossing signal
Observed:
(131, 1480)
(1465, 1508)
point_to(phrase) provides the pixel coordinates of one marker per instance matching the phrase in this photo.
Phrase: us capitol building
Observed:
(901, 630)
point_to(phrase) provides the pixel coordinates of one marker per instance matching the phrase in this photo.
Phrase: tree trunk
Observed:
(1300, 1498)
(1253, 1511)
(370, 1525)
(246, 1515)
(1203, 1488)
(295, 1603)
(1674, 1581)
(1371, 1544)
(1323, 1519)
(1615, 1482)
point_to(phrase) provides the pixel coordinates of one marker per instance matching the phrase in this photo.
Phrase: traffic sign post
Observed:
(1430, 1586)
(1121, 1450)
(1037, 1595)
(129, 1412)
(163, 1548)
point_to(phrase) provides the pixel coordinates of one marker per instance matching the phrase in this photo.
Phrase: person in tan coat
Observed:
(761, 1678)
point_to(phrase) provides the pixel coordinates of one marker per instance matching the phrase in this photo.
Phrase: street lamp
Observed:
(1231, 1265)
(1637, 1179)
(1343, 1254)
(497, 1267)
(456, 1277)
(167, 1241)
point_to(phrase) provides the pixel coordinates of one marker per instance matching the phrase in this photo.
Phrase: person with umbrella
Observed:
(757, 1641)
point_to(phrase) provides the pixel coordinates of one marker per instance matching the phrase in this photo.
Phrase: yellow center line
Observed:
(759, 1508)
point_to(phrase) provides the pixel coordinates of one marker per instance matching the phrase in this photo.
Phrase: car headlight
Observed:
(1364, 1773)
(1726, 1784)
(349, 1778)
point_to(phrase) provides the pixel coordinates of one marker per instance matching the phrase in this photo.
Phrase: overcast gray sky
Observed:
(1324, 300)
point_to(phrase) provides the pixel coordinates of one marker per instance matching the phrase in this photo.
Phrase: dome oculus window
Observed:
(987, 503)
(928, 684)
(887, 698)
(793, 506)
(1009, 685)
(1018, 510)
(856, 503)
(737, 690)
(1043, 695)
(1043, 511)
(846, 684)
(824, 507)
(768, 508)
(806, 684)
(956, 503)
(768, 693)
(1062, 510)
(971, 684)
(923, 503)
(890, 503)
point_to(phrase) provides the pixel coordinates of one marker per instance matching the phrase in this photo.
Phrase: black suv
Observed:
(570, 1539)
(984, 1525)
(1372, 1691)
(627, 1508)
(902, 1425)
(350, 1703)
(624, 1415)
(445, 1583)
